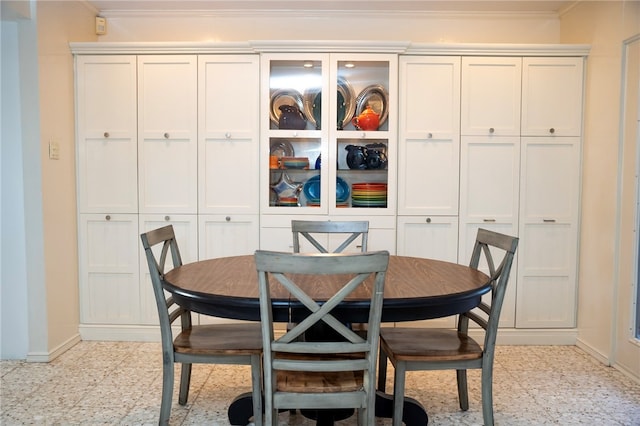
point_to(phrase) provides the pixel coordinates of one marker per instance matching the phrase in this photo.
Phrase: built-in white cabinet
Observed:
(229, 146)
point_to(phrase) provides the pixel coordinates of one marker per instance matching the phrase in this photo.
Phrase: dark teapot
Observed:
(291, 118)
(376, 156)
(356, 157)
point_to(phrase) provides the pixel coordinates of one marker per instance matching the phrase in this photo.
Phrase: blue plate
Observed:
(311, 188)
(342, 190)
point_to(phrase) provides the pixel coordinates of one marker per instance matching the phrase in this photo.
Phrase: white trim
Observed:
(55, 353)
(593, 352)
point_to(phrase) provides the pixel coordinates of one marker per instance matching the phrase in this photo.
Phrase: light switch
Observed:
(54, 150)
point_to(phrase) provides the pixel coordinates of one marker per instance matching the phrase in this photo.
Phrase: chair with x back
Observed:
(353, 229)
(205, 344)
(339, 371)
(413, 349)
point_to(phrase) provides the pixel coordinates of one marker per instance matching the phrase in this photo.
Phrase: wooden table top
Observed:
(415, 289)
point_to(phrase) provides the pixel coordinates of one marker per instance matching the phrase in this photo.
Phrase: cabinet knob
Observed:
(227, 135)
(491, 130)
(552, 130)
(429, 135)
(364, 135)
(108, 217)
(167, 218)
(166, 135)
(228, 218)
(106, 134)
(428, 220)
(295, 134)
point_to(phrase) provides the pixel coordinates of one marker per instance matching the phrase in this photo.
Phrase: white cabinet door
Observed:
(109, 269)
(228, 136)
(491, 96)
(429, 135)
(489, 198)
(548, 232)
(185, 228)
(432, 237)
(107, 163)
(552, 96)
(167, 134)
(228, 235)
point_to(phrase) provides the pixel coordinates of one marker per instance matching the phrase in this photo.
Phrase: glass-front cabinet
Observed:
(328, 139)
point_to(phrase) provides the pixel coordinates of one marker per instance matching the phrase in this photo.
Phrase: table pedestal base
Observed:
(241, 410)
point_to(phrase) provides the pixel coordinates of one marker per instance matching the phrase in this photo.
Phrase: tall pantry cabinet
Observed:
(160, 141)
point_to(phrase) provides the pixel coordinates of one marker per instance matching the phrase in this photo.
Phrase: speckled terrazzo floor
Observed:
(119, 383)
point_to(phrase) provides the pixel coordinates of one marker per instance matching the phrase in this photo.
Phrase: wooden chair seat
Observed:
(319, 382)
(410, 344)
(220, 339)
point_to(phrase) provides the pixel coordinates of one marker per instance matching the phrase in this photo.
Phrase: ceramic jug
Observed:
(367, 120)
(356, 157)
(291, 118)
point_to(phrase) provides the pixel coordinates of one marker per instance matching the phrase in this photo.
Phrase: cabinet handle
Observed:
(491, 130)
(227, 135)
(488, 220)
(549, 220)
(106, 134)
(108, 217)
(166, 135)
(167, 218)
(428, 220)
(552, 130)
(429, 135)
(228, 218)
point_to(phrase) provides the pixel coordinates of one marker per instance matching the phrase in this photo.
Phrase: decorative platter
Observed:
(375, 96)
(312, 102)
(346, 103)
(281, 148)
(283, 97)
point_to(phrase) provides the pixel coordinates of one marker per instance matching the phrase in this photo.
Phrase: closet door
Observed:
(107, 166)
(167, 134)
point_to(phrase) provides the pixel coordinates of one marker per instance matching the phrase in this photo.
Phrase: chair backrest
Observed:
(308, 227)
(168, 310)
(356, 272)
(497, 250)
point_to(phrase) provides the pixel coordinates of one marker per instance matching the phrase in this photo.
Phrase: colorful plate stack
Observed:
(287, 202)
(294, 162)
(369, 194)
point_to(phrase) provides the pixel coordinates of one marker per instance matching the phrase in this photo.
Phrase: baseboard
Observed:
(122, 333)
(55, 352)
(537, 337)
(593, 352)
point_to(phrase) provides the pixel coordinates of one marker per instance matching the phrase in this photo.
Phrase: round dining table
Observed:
(415, 289)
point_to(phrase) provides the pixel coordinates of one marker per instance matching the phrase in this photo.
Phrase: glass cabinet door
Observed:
(327, 120)
(361, 139)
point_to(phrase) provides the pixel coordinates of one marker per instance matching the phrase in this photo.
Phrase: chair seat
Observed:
(429, 344)
(319, 382)
(224, 339)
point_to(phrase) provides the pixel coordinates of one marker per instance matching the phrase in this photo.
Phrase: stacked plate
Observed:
(369, 194)
(295, 162)
(287, 202)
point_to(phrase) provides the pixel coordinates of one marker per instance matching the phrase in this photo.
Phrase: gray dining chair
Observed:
(239, 344)
(352, 230)
(339, 371)
(414, 349)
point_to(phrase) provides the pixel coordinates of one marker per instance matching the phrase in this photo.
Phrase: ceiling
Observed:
(212, 6)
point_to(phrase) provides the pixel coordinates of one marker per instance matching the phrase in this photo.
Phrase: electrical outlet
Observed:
(54, 150)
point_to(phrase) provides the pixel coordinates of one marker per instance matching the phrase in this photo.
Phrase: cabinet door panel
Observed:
(228, 134)
(109, 269)
(550, 179)
(546, 276)
(430, 237)
(552, 96)
(167, 134)
(231, 235)
(491, 96)
(107, 145)
(185, 228)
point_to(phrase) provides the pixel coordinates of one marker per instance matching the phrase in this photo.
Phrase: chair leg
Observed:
(382, 371)
(398, 392)
(167, 391)
(185, 380)
(463, 393)
(256, 382)
(487, 395)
